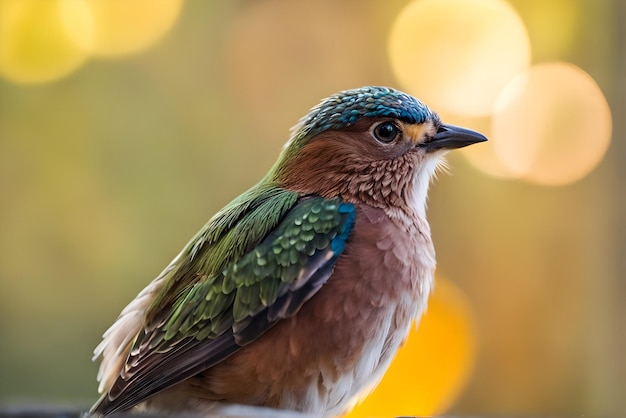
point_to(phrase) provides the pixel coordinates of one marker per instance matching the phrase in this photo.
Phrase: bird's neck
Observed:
(394, 185)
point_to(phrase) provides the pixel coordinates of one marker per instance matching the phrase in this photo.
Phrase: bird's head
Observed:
(374, 145)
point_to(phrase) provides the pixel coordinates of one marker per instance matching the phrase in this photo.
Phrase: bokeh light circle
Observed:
(431, 369)
(457, 55)
(36, 38)
(128, 26)
(551, 125)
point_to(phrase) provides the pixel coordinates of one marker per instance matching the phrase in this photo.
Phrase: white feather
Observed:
(117, 340)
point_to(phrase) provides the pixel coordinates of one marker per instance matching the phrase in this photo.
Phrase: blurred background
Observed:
(126, 124)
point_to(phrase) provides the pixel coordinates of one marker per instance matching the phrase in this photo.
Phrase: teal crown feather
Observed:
(343, 109)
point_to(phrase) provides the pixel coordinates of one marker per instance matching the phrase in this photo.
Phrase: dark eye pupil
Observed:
(386, 132)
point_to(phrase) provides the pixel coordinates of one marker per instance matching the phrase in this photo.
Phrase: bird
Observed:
(298, 293)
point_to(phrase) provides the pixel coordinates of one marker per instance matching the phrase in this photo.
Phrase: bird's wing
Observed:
(215, 316)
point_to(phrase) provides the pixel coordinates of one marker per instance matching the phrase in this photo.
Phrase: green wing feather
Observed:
(227, 236)
(255, 263)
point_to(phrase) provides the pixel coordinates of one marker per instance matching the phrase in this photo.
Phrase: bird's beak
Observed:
(450, 137)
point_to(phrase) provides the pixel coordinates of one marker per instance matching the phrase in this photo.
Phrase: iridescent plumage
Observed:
(297, 294)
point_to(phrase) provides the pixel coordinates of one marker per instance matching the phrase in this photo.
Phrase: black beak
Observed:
(451, 137)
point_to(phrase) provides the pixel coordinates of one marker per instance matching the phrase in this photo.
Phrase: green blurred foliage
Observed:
(104, 176)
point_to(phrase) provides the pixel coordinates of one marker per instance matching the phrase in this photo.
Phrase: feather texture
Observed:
(219, 313)
(298, 293)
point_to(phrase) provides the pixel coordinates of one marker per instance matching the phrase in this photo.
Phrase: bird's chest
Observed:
(342, 340)
(379, 286)
(384, 275)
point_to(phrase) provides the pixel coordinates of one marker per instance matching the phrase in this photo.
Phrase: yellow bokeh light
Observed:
(35, 41)
(432, 367)
(457, 55)
(551, 125)
(128, 26)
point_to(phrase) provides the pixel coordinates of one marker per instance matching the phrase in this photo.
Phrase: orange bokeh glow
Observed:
(433, 366)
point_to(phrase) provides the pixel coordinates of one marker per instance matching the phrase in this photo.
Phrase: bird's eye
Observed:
(386, 132)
